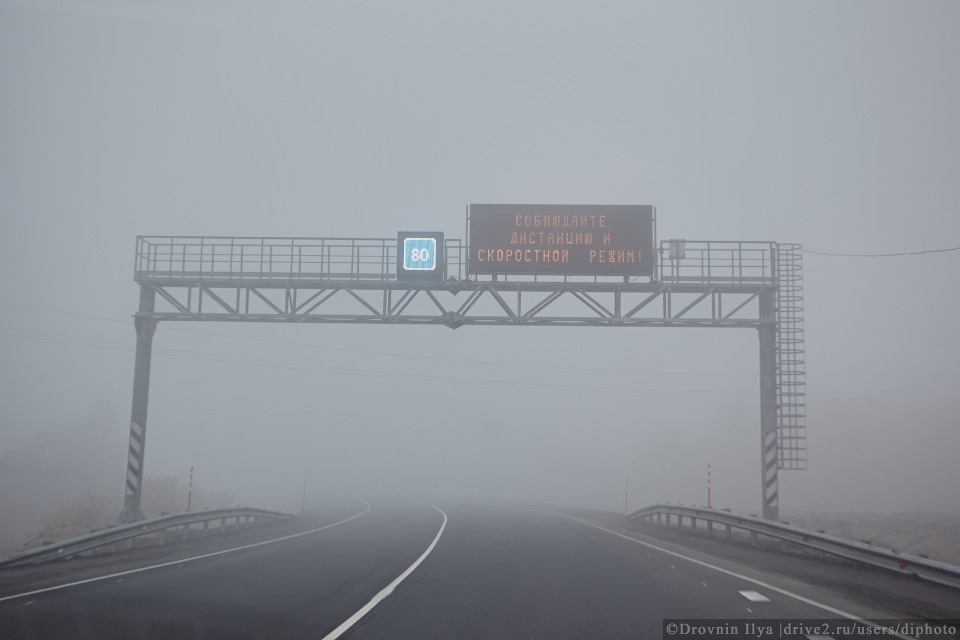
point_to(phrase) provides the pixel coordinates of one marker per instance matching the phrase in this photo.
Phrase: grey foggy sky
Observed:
(833, 125)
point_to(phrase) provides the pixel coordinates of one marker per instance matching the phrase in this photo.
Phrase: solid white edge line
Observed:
(183, 560)
(365, 609)
(779, 590)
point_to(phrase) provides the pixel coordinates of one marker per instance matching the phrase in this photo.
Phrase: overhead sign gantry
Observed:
(522, 265)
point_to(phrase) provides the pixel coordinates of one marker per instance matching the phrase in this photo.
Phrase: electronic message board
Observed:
(540, 239)
(420, 256)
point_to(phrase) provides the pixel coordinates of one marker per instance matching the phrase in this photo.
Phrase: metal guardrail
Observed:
(903, 563)
(82, 544)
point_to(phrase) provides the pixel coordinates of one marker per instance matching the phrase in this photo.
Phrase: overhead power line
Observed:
(879, 255)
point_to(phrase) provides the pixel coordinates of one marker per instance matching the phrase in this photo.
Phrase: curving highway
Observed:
(457, 570)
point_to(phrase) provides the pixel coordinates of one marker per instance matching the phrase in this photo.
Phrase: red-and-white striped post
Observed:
(190, 489)
(709, 522)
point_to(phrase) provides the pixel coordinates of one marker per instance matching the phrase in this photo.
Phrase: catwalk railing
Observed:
(375, 259)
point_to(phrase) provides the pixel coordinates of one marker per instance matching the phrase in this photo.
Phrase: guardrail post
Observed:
(728, 532)
(693, 523)
(206, 526)
(163, 537)
(753, 538)
(186, 531)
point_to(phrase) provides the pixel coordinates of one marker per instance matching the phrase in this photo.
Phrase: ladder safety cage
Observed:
(791, 360)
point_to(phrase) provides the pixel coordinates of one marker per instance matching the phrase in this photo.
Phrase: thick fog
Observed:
(833, 125)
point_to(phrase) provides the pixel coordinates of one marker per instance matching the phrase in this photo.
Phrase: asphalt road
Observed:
(484, 572)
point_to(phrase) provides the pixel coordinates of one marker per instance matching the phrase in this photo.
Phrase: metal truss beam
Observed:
(456, 304)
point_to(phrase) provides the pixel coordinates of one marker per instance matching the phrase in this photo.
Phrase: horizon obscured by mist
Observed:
(833, 126)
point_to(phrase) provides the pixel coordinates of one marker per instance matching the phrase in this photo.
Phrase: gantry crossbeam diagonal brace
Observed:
(534, 305)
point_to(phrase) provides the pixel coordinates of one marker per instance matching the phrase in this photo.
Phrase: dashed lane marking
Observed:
(728, 572)
(754, 596)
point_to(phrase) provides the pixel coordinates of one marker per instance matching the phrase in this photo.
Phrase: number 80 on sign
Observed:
(419, 254)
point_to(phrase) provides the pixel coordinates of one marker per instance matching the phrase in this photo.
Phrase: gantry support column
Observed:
(145, 325)
(768, 404)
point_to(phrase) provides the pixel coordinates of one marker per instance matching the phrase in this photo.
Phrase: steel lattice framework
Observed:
(353, 280)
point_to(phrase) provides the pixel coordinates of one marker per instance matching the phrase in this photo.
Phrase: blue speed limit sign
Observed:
(419, 254)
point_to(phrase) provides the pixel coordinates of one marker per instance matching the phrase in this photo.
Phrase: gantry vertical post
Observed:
(145, 325)
(768, 404)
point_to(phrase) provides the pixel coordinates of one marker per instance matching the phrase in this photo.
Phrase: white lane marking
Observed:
(168, 564)
(754, 596)
(365, 609)
(759, 583)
